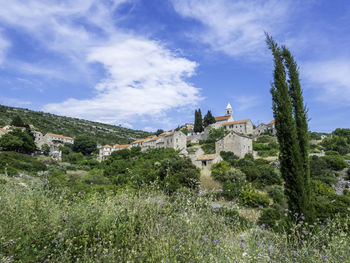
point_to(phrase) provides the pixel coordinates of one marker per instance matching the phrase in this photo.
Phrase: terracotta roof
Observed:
(106, 146)
(189, 123)
(222, 118)
(59, 136)
(141, 140)
(271, 122)
(118, 146)
(5, 131)
(234, 122)
(206, 157)
(154, 139)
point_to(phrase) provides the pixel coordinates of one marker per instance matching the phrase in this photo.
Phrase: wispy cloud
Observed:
(330, 79)
(236, 27)
(143, 77)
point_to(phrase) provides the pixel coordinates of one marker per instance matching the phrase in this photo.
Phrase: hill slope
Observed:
(47, 122)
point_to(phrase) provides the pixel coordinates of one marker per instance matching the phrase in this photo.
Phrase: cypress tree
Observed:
(200, 121)
(286, 101)
(208, 119)
(300, 116)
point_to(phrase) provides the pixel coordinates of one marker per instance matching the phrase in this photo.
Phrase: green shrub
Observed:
(332, 153)
(233, 186)
(276, 192)
(249, 197)
(335, 162)
(11, 171)
(219, 171)
(270, 218)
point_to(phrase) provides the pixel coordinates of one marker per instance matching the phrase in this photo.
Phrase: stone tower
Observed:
(228, 112)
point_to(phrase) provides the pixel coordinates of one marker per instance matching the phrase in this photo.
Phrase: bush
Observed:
(219, 171)
(270, 217)
(11, 171)
(249, 197)
(276, 192)
(335, 162)
(233, 186)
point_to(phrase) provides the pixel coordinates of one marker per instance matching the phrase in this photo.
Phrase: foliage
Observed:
(198, 122)
(162, 166)
(250, 197)
(20, 162)
(320, 170)
(229, 157)
(17, 121)
(208, 119)
(45, 149)
(266, 149)
(292, 131)
(84, 144)
(234, 185)
(18, 141)
(270, 218)
(338, 141)
(159, 132)
(208, 145)
(276, 192)
(335, 162)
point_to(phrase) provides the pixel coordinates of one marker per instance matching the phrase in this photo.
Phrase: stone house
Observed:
(243, 126)
(234, 142)
(206, 160)
(261, 128)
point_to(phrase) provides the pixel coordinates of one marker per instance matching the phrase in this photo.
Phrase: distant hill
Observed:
(47, 122)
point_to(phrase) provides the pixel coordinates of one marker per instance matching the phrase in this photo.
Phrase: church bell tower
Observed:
(228, 112)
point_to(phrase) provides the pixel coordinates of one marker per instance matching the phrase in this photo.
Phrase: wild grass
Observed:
(37, 225)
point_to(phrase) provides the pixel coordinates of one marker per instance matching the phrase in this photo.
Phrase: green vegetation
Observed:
(338, 141)
(198, 121)
(208, 145)
(18, 141)
(73, 127)
(84, 144)
(208, 119)
(292, 131)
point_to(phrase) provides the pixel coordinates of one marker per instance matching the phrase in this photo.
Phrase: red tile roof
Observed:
(234, 122)
(271, 122)
(222, 118)
(118, 146)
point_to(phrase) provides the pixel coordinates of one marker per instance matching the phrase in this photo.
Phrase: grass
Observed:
(38, 225)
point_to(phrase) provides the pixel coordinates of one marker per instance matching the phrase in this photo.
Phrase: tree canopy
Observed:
(208, 119)
(84, 144)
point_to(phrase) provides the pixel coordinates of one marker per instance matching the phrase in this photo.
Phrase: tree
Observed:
(18, 141)
(159, 131)
(17, 121)
(291, 125)
(198, 122)
(84, 144)
(208, 119)
(45, 149)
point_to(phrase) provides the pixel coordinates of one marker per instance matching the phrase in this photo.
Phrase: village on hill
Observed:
(238, 137)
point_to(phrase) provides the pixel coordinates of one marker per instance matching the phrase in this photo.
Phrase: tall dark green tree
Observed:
(17, 121)
(198, 122)
(208, 119)
(291, 125)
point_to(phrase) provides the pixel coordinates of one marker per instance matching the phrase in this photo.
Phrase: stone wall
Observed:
(233, 142)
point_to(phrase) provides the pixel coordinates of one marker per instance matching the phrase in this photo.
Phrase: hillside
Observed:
(47, 122)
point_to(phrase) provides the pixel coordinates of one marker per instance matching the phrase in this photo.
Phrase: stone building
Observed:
(3, 132)
(243, 126)
(262, 128)
(227, 117)
(234, 142)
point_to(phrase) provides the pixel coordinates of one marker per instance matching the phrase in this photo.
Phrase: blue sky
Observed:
(147, 64)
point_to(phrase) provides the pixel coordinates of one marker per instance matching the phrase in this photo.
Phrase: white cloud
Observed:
(236, 27)
(331, 79)
(143, 77)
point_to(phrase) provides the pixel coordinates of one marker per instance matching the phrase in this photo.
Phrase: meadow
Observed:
(42, 225)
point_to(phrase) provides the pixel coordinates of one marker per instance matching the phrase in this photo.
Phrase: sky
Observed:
(148, 64)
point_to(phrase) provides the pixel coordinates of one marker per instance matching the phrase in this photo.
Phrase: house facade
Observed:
(234, 142)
